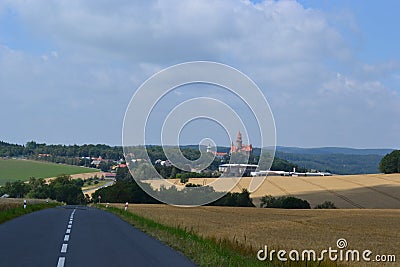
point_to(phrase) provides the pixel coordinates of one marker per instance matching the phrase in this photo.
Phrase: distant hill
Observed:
(333, 150)
(338, 160)
(335, 163)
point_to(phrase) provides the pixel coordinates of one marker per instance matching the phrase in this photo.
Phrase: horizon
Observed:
(223, 146)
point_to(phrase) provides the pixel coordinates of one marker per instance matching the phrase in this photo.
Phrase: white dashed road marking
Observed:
(64, 247)
(61, 261)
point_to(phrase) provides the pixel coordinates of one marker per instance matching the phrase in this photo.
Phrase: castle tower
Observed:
(239, 141)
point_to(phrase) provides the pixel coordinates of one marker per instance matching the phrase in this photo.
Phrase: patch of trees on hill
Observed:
(63, 189)
(390, 163)
(127, 190)
(284, 202)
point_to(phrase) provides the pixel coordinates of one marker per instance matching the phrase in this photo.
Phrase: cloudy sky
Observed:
(330, 70)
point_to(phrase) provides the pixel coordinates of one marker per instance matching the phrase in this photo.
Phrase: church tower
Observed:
(239, 141)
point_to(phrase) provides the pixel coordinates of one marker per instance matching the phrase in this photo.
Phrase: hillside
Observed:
(333, 150)
(335, 163)
(338, 160)
(12, 170)
(373, 191)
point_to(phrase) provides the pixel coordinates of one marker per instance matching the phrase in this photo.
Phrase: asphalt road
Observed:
(80, 236)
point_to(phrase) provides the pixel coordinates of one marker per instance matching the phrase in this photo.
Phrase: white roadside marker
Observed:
(61, 261)
(64, 248)
(66, 237)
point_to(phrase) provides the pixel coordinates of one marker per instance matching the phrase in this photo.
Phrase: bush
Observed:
(284, 202)
(326, 205)
(234, 200)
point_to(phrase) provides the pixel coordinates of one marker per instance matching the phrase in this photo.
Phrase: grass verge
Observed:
(13, 210)
(204, 251)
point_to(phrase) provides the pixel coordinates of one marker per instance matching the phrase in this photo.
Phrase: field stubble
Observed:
(376, 230)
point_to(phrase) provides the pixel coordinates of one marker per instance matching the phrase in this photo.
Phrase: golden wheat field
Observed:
(376, 230)
(369, 191)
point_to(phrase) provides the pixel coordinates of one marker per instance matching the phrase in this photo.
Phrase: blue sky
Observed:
(329, 69)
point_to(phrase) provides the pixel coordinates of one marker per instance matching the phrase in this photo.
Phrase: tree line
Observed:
(63, 151)
(127, 190)
(63, 189)
(80, 155)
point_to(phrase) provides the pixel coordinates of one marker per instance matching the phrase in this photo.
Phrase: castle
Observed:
(240, 147)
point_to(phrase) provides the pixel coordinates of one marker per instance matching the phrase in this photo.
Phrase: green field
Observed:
(15, 169)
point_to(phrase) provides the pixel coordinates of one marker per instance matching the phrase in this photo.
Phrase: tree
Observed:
(390, 163)
(38, 188)
(63, 188)
(16, 189)
(234, 200)
(124, 191)
(123, 175)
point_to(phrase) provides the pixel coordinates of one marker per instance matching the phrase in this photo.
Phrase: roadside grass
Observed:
(17, 169)
(92, 185)
(12, 210)
(204, 251)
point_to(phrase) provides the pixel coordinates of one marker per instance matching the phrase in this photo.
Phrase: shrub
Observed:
(284, 202)
(234, 200)
(326, 205)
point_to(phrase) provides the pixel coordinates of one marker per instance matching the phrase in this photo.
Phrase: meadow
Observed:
(376, 230)
(18, 169)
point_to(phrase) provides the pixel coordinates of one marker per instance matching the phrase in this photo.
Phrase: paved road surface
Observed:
(80, 236)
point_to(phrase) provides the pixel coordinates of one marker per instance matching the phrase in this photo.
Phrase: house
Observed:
(96, 161)
(219, 155)
(237, 169)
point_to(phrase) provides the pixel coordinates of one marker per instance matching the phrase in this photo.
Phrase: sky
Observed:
(330, 70)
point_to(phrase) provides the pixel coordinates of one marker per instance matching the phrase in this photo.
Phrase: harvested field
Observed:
(369, 191)
(376, 230)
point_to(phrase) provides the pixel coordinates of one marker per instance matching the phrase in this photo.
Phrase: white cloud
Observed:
(100, 51)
